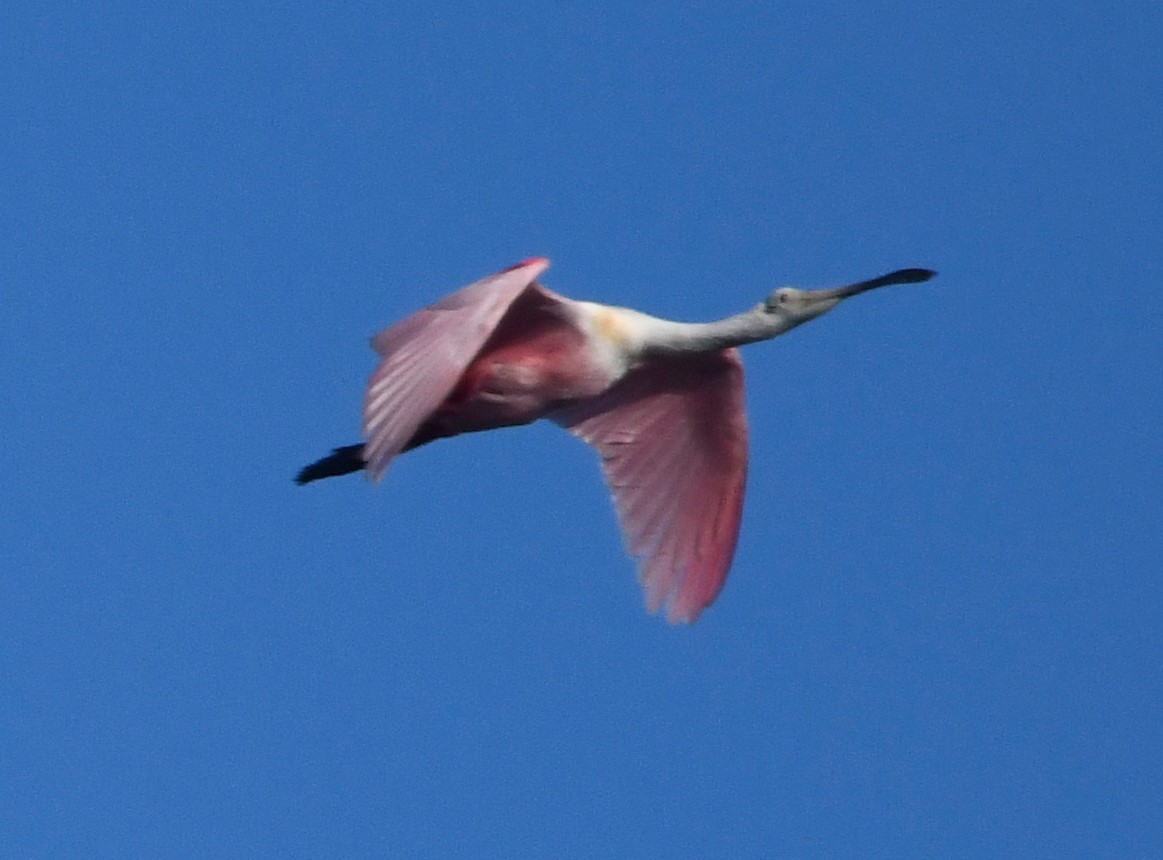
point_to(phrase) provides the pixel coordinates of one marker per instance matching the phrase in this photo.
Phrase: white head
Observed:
(793, 306)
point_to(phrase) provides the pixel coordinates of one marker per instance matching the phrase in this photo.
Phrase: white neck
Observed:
(664, 337)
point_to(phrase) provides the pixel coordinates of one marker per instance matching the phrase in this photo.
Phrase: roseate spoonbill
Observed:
(661, 401)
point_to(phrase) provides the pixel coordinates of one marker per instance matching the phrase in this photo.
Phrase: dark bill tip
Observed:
(916, 276)
(900, 276)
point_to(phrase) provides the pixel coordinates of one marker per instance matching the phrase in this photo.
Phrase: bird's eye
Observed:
(777, 298)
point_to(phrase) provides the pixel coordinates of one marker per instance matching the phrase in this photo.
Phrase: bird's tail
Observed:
(341, 461)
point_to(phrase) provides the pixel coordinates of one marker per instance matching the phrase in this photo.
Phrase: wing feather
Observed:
(673, 440)
(425, 355)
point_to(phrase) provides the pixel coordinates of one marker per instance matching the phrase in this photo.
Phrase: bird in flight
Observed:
(660, 401)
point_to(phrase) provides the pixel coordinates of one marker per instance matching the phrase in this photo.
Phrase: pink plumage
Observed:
(660, 401)
(426, 355)
(673, 441)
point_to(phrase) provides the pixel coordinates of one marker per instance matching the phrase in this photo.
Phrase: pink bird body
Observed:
(661, 402)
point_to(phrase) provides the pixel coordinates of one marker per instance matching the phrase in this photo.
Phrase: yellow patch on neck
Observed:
(609, 326)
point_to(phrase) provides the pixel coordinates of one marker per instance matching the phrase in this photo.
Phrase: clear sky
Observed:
(941, 636)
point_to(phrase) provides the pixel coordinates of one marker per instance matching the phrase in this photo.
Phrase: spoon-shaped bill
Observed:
(901, 276)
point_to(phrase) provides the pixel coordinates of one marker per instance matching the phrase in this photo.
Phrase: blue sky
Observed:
(941, 634)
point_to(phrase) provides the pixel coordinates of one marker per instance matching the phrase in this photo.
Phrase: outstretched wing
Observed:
(425, 355)
(673, 440)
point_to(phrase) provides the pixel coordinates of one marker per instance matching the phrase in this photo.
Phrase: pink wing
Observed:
(673, 441)
(426, 354)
